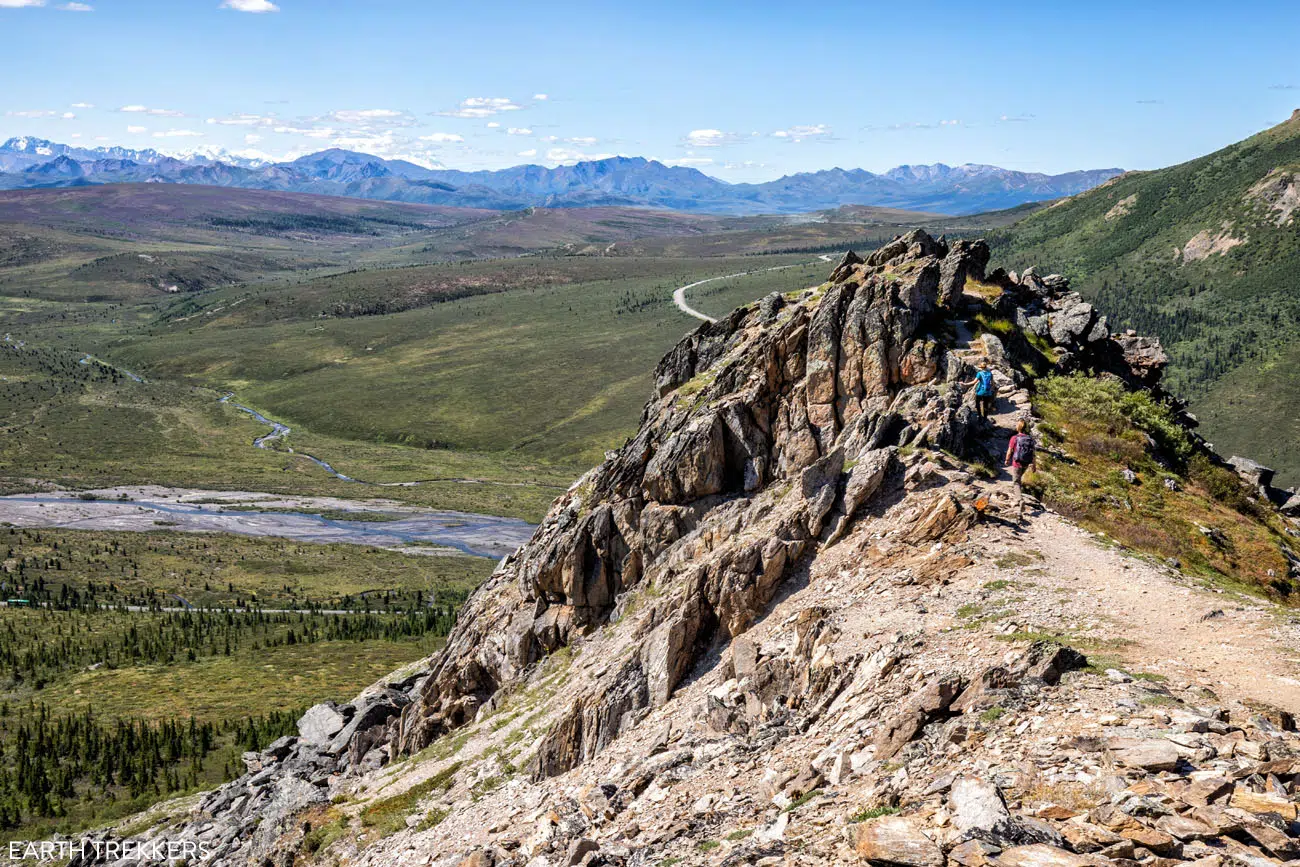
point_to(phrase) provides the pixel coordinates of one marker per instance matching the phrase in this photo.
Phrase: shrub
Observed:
(1106, 400)
(1223, 485)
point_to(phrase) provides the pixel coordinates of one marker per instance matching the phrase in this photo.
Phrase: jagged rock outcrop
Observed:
(1077, 332)
(734, 475)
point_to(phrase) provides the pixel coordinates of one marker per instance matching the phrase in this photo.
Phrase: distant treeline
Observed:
(56, 766)
(1207, 340)
(362, 306)
(340, 225)
(37, 646)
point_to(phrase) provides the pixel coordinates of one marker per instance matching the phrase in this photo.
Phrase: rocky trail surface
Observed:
(792, 622)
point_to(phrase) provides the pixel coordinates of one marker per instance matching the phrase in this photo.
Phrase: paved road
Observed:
(679, 294)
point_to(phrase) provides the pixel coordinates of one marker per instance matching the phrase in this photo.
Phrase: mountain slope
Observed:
(792, 619)
(1207, 255)
(616, 181)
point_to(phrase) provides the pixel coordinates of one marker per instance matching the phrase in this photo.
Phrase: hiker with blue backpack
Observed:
(986, 391)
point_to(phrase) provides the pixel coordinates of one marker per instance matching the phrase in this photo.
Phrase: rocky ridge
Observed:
(748, 622)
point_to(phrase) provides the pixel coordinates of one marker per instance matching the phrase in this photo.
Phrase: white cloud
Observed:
(67, 115)
(492, 124)
(364, 114)
(801, 132)
(531, 152)
(156, 112)
(366, 120)
(377, 143)
(540, 97)
(252, 138)
(75, 135)
(309, 132)
(949, 123)
(583, 140)
(690, 161)
(77, 7)
(1016, 118)
(710, 138)
(32, 114)
(177, 133)
(564, 155)
(519, 130)
(82, 105)
(550, 138)
(442, 137)
(482, 106)
(243, 119)
(17, 4)
(250, 5)
(136, 130)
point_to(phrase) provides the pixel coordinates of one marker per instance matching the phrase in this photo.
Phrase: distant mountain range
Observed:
(27, 163)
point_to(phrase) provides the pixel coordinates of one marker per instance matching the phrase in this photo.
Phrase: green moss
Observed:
(388, 816)
(1149, 676)
(432, 820)
(320, 837)
(986, 323)
(1015, 559)
(872, 813)
(802, 799)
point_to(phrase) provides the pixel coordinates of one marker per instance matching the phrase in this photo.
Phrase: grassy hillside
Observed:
(550, 362)
(1207, 255)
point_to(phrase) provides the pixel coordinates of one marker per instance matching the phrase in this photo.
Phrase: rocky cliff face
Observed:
(734, 474)
(799, 456)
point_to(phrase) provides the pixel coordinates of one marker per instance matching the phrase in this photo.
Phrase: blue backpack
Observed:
(984, 383)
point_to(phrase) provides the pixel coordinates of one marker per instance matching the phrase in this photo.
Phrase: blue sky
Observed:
(743, 91)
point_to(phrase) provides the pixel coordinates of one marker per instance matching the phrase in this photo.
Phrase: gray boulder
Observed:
(1072, 322)
(1252, 473)
(320, 724)
(1292, 505)
(372, 710)
(976, 805)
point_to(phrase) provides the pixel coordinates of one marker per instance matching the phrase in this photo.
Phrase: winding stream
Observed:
(280, 430)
